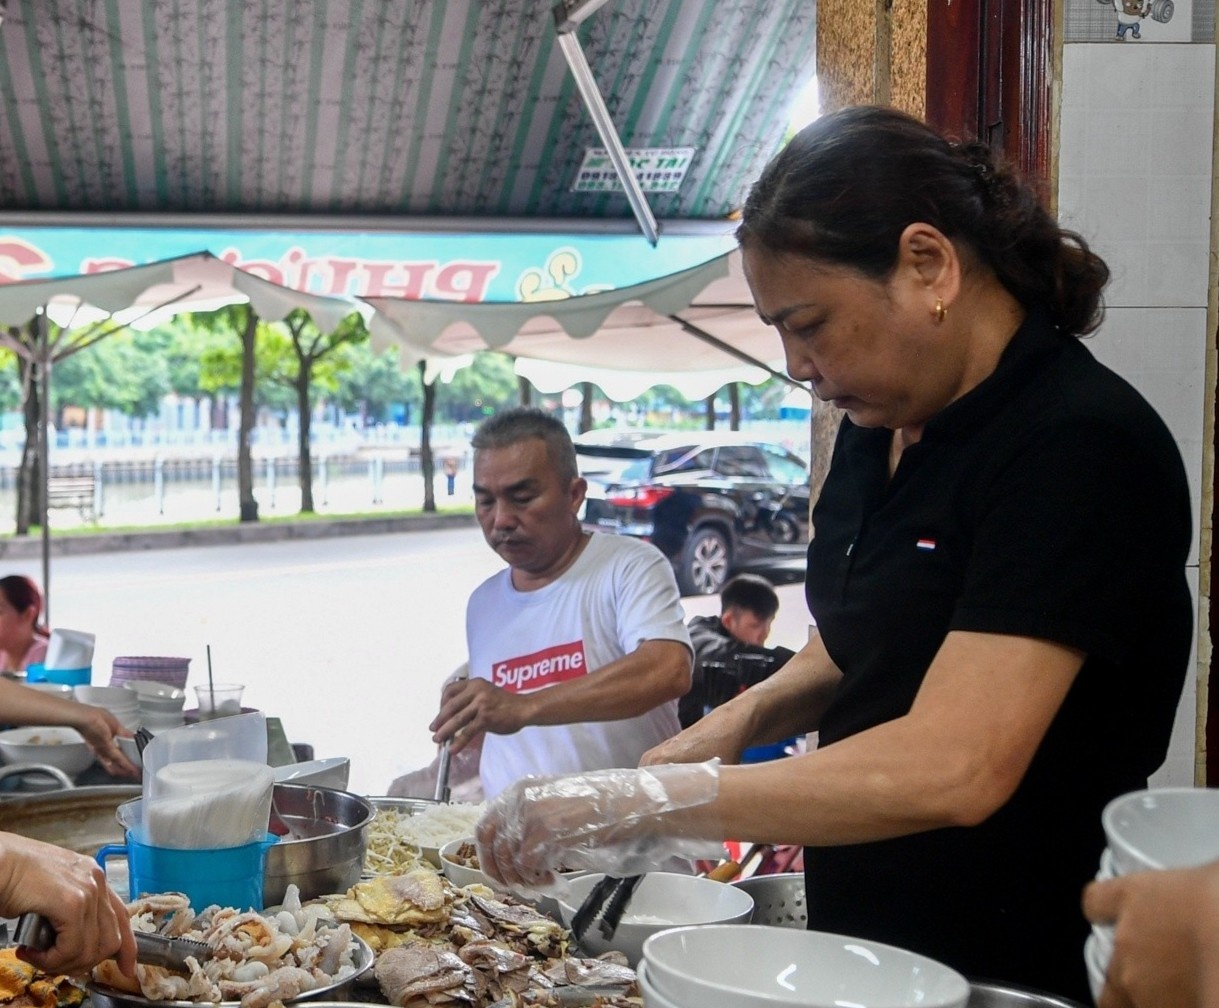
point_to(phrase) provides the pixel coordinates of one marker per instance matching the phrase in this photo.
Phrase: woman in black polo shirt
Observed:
(997, 575)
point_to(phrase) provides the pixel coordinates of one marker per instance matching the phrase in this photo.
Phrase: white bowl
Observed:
(331, 772)
(460, 874)
(55, 746)
(115, 699)
(150, 692)
(662, 900)
(1097, 964)
(1162, 828)
(652, 998)
(755, 966)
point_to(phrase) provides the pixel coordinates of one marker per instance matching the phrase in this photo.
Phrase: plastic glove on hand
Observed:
(621, 822)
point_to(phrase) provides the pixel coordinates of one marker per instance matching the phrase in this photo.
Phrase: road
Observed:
(345, 640)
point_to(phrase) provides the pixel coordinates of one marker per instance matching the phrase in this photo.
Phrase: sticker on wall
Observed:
(1130, 21)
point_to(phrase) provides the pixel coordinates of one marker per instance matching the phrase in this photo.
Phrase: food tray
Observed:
(411, 806)
(102, 996)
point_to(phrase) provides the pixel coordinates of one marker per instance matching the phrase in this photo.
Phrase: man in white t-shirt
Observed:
(578, 651)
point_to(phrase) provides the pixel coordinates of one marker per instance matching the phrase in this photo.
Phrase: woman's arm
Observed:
(20, 705)
(790, 702)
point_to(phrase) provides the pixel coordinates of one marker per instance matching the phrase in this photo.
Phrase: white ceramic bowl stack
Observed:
(758, 966)
(159, 704)
(122, 703)
(1151, 830)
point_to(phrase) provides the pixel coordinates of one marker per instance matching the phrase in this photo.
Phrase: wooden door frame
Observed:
(989, 77)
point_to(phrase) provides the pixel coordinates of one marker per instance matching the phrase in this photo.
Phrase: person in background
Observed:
(577, 649)
(1165, 954)
(69, 889)
(23, 640)
(748, 606)
(998, 577)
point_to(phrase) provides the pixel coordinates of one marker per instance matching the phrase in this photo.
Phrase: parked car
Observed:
(713, 502)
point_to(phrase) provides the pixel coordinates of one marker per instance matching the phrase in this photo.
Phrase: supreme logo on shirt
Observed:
(542, 668)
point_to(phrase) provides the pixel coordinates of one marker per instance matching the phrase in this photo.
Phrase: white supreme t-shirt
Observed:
(619, 593)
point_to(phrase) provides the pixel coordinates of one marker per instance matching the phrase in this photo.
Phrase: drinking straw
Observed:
(211, 686)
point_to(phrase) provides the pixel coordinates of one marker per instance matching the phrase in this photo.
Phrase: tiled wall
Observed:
(1135, 177)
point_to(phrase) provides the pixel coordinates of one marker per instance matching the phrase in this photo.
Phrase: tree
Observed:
(311, 346)
(372, 384)
(222, 368)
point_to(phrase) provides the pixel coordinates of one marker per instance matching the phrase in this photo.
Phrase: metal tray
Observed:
(993, 995)
(102, 996)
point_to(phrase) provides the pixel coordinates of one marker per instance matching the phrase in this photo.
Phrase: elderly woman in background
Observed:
(23, 642)
(997, 577)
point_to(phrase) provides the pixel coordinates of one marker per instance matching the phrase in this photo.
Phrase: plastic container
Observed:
(228, 876)
(64, 677)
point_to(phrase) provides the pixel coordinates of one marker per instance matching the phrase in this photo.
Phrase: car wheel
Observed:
(704, 563)
(783, 529)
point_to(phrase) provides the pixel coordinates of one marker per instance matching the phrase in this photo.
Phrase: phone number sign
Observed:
(658, 169)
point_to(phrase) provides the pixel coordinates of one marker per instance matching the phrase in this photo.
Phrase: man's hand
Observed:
(469, 707)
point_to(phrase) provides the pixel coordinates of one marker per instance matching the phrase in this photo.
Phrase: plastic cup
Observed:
(219, 700)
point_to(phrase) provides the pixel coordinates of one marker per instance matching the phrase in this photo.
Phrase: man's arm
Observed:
(655, 672)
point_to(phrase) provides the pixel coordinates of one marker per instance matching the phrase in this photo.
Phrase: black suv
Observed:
(714, 503)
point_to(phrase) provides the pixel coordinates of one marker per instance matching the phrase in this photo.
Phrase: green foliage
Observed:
(372, 384)
(121, 372)
(486, 386)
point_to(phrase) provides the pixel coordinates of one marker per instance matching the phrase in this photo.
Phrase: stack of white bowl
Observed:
(1172, 827)
(123, 704)
(757, 966)
(160, 704)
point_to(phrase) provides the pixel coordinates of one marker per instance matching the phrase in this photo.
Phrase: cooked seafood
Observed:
(259, 959)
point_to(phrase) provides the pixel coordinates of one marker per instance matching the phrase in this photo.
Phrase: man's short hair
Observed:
(523, 423)
(752, 593)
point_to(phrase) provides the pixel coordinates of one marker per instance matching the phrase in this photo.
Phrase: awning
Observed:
(699, 323)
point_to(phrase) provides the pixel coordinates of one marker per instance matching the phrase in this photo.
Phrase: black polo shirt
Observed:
(1048, 502)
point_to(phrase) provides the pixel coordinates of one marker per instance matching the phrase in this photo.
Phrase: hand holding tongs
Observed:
(442, 773)
(608, 898)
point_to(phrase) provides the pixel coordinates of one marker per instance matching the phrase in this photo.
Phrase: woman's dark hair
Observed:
(846, 186)
(21, 593)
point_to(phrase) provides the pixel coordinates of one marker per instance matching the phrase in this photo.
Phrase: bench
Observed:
(73, 492)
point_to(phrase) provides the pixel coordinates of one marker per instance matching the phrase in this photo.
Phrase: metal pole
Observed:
(43, 379)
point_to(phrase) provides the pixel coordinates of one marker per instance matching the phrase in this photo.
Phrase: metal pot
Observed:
(990, 995)
(778, 900)
(328, 857)
(81, 819)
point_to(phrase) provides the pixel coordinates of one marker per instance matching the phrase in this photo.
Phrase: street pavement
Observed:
(346, 640)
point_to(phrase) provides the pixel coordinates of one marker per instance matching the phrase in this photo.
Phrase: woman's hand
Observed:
(99, 728)
(70, 890)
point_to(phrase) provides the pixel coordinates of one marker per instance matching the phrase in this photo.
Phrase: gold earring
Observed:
(940, 310)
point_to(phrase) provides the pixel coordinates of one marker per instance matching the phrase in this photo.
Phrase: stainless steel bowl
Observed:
(778, 900)
(331, 834)
(991, 995)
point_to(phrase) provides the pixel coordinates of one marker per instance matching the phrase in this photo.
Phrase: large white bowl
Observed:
(460, 874)
(55, 746)
(115, 699)
(1162, 828)
(755, 966)
(662, 900)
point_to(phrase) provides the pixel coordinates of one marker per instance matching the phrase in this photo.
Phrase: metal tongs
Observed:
(442, 773)
(607, 900)
(36, 932)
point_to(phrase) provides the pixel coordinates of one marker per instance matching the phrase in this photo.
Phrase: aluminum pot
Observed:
(81, 819)
(325, 853)
(778, 900)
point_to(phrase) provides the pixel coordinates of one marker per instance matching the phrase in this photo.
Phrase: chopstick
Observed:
(608, 898)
